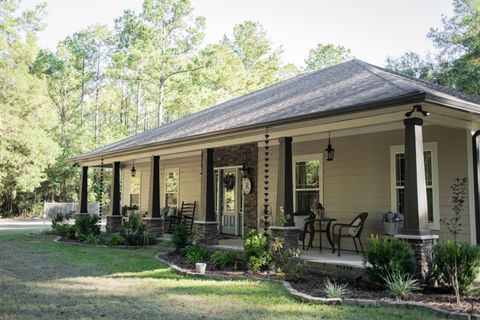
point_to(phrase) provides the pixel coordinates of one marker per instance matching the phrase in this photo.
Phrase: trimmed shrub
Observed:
(257, 252)
(288, 262)
(66, 230)
(60, 219)
(114, 240)
(91, 239)
(386, 257)
(181, 237)
(221, 259)
(468, 261)
(196, 253)
(133, 231)
(87, 224)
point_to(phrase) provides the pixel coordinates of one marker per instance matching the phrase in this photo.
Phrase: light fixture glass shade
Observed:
(329, 152)
(133, 171)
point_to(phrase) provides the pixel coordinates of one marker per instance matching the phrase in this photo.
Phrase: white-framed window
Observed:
(172, 187)
(307, 181)
(135, 183)
(397, 169)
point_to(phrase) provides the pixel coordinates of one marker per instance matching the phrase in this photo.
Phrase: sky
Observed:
(372, 29)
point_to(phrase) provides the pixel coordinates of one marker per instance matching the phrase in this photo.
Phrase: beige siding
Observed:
(359, 177)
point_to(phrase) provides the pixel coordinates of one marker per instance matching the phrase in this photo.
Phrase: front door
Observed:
(229, 200)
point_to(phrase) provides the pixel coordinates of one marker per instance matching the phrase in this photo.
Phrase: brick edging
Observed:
(328, 301)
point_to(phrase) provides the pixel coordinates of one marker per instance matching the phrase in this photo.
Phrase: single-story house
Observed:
(398, 143)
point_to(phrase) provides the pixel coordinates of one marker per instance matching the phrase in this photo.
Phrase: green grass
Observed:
(43, 279)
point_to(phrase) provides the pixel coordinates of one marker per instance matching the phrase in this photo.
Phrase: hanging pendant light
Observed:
(134, 171)
(329, 152)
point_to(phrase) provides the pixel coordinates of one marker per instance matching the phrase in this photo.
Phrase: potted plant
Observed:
(392, 222)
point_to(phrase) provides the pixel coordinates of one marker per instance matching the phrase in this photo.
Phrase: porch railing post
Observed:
(285, 180)
(154, 193)
(114, 219)
(83, 208)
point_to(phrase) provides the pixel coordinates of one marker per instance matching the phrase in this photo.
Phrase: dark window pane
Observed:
(400, 169)
(430, 204)
(135, 200)
(171, 199)
(306, 173)
(305, 200)
(428, 167)
(401, 200)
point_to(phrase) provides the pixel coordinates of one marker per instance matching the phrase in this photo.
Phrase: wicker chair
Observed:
(351, 230)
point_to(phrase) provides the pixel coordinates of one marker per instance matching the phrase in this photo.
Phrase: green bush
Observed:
(333, 290)
(196, 253)
(91, 239)
(133, 231)
(386, 257)
(87, 224)
(114, 240)
(221, 259)
(401, 285)
(181, 236)
(257, 252)
(288, 261)
(60, 219)
(468, 261)
(66, 230)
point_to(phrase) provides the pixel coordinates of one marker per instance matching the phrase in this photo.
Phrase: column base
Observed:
(206, 232)
(422, 246)
(114, 224)
(154, 227)
(289, 236)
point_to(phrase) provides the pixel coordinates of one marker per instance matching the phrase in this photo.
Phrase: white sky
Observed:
(372, 29)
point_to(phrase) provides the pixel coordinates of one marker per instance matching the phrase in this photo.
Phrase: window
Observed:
(431, 181)
(307, 180)
(172, 182)
(135, 190)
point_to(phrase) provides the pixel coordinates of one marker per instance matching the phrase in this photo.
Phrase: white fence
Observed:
(51, 209)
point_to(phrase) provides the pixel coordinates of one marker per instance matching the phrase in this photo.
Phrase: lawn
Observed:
(43, 279)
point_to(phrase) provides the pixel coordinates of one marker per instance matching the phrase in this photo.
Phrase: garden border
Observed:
(328, 301)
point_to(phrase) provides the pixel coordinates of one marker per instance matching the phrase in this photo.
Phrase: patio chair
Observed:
(187, 213)
(308, 227)
(351, 230)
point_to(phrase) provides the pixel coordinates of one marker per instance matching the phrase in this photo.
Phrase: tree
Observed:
(26, 121)
(323, 56)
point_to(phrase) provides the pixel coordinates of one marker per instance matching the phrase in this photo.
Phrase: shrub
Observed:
(133, 231)
(256, 251)
(87, 224)
(60, 219)
(401, 285)
(181, 236)
(114, 240)
(66, 230)
(288, 262)
(196, 253)
(386, 257)
(91, 239)
(221, 259)
(468, 264)
(332, 290)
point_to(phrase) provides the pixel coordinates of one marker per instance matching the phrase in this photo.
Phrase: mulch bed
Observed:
(359, 289)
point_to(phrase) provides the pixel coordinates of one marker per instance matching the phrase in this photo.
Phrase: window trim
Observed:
(307, 157)
(139, 177)
(427, 146)
(167, 171)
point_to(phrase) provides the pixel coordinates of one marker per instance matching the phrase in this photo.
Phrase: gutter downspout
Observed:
(476, 178)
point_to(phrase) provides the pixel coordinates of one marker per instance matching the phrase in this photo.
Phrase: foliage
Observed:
(66, 230)
(326, 55)
(467, 257)
(114, 239)
(386, 257)
(333, 290)
(181, 236)
(221, 259)
(61, 218)
(401, 285)
(288, 261)
(133, 231)
(196, 253)
(257, 252)
(86, 224)
(90, 238)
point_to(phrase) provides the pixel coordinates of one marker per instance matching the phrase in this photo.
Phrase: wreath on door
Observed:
(229, 181)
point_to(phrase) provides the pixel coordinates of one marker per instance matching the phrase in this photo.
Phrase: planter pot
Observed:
(200, 267)
(392, 228)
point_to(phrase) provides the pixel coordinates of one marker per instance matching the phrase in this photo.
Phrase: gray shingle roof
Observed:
(346, 86)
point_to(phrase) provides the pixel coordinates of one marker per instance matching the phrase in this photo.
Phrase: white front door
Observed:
(229, 200)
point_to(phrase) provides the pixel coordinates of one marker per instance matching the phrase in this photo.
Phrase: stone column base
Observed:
(422, 246)
(154, 227)
(114, 224)
(206, 232)
(289, 236)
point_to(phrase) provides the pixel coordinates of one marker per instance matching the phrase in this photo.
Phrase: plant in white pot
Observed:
(392, 222)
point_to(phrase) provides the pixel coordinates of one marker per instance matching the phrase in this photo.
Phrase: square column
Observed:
(285, 180)
(83, 198)
(114, 219)
(206, 228)
(154, 224)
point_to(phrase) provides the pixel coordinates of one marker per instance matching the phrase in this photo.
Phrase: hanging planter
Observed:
(229, 181)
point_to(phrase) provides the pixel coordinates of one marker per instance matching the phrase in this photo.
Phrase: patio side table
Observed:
(327, 230)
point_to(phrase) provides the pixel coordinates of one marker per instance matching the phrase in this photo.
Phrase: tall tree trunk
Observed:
(97, 106)
(82, 95)
(137, 115)
(160, 107)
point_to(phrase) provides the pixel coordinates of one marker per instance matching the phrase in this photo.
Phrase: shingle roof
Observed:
(346, 87)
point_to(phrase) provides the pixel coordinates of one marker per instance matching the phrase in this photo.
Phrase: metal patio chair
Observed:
(351, 230)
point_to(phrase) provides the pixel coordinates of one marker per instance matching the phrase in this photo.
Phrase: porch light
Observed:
(329, 152)
(245, 169)
(134, 171)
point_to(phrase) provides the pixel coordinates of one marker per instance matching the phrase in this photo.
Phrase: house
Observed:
(398, 143)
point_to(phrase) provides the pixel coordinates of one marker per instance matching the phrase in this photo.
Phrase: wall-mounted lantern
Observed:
(133, 170)
(329, 152)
